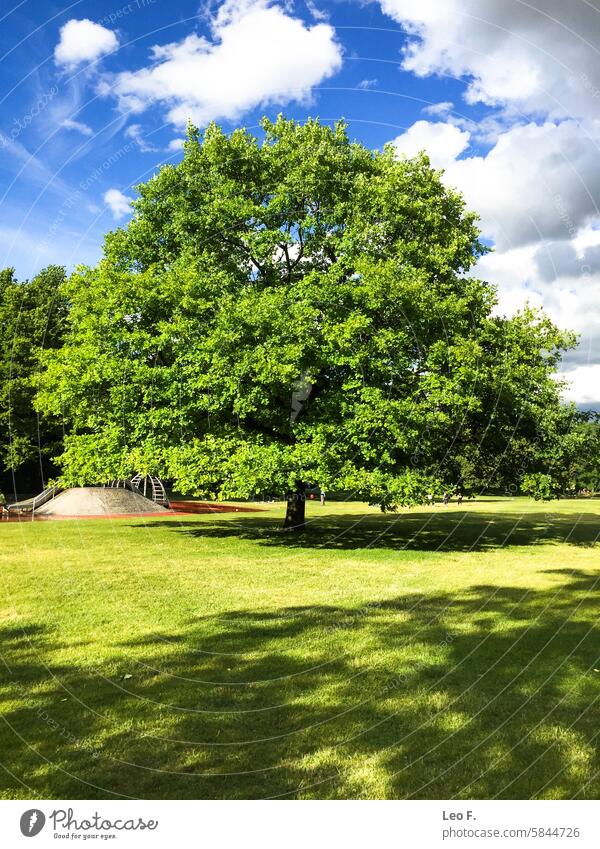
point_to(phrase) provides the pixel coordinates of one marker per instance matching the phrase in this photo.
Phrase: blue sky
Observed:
(503, 94)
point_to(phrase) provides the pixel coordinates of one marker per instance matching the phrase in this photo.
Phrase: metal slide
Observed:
(30, 505)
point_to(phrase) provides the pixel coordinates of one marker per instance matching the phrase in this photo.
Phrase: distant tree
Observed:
(521, 427)
(32, 318)
(567, 456)
(584, 452)
(542, 487)
(294, 311)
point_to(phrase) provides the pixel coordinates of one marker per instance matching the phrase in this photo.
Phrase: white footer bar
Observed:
(301, 825)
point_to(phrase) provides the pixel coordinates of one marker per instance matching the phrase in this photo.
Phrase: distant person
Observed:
(445, 498)
(430, 497)
(459, 497)
(322, 498)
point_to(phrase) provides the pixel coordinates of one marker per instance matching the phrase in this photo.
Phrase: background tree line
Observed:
(33, 319)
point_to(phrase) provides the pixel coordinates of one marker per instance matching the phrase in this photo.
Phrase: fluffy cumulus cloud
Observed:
(570, 294)
(118, 203)
(534, 177)
(443, 142)
(538, 181)
(258, 54)
(583, 383)
(83, 41)
(540, 57)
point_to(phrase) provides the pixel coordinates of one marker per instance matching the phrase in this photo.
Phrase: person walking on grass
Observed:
(322, 498)
(459, 497)
(445, 499)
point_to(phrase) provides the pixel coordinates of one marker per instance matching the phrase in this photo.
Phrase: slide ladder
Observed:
(150, 487)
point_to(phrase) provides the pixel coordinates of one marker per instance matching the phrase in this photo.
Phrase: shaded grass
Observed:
(435, 653)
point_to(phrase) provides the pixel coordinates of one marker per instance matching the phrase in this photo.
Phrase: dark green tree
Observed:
(290, 311)
(32, 318)
(574, 461)
(521, 428)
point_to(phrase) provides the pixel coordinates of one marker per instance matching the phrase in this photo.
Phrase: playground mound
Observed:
(98, 501)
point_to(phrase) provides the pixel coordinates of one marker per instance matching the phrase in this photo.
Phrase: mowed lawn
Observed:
(432, 653)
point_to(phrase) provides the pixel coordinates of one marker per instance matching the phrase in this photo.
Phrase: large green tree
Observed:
(32, 318)
(296, 310)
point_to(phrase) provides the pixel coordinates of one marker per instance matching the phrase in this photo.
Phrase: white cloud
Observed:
(571, 299)
(584, 385)
(79, 126)
(539, 181)
(367, 84)
(136, 133)
(439, 110)
(118, 202)
(540, 57)
(259, 54)
(175, 144)
(318, 14)
(83, 41)
(442, 142)
(560, 259)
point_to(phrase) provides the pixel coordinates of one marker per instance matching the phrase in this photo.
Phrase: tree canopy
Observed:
(32, 317)
(300, 309)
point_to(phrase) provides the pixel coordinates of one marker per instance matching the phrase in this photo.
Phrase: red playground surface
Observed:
(176, 508)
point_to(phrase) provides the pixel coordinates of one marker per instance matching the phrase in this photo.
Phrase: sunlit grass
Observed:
(431, 653)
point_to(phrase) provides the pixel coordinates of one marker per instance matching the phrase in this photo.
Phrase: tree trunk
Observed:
(295, 513)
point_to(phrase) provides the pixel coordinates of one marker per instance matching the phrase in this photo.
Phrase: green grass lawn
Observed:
(432, 653)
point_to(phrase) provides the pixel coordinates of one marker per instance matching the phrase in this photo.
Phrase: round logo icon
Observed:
(32, 822)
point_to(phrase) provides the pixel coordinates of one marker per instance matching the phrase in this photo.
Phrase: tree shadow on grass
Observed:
(444, 530)
(490, 692)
